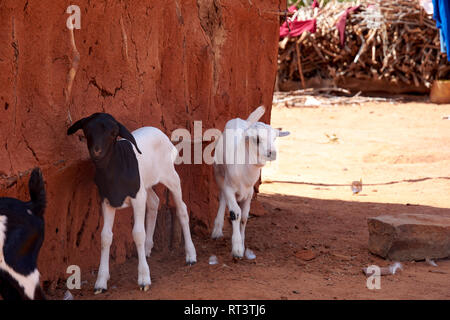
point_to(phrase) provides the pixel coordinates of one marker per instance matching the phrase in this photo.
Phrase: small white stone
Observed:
(213, 260)
(249, 254)
(68, 295)
(431, 262)
(393, 268)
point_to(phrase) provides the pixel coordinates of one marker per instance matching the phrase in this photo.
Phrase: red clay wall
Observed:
(161, 63)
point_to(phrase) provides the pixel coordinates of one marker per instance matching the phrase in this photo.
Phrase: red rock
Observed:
(410, 236)
(151, 62)
(306, 255)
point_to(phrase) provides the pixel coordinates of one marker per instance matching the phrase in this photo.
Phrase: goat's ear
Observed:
(256, 115)
(124, 133)
(283, 133)
(77, 126)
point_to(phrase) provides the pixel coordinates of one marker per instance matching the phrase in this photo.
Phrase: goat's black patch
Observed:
(11, 290)
(23, 237)
(117, 169)
(119, 177)
(99, 128)
(232, 216)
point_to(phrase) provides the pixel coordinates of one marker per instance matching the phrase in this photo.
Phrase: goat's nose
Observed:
(97, 150)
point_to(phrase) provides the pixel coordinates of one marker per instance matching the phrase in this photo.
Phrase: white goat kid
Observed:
(125, 176)
(241, 151)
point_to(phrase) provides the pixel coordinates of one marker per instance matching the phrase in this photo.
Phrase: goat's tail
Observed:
(37, 192)
(256, 115)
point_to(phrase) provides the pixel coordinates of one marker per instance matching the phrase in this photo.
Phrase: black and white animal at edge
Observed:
(126, 171)
(241, 151)
(21, 238)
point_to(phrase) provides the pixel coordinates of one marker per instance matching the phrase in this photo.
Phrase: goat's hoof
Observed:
(191, 263)
(144, 288)
(237, 257)
(148, 251)
(99, 290)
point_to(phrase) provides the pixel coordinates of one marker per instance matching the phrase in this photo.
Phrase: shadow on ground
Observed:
(332, 233)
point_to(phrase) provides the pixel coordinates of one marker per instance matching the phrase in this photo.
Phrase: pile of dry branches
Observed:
(391, 41)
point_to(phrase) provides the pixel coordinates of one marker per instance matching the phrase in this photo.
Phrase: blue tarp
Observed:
(442, 15)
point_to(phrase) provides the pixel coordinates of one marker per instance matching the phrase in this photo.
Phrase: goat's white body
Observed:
(156, 165)
(158, 155)
(236, 182)
(253, 142)
(241, 177)
(28, 282)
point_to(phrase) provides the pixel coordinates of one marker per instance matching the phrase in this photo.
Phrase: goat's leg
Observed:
(245, 207)
(152, 211)
(107, 236)
(235, 217)
(218, 222)
(172, 182)
(139, 239)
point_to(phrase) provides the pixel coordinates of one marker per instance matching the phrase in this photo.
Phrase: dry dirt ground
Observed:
(310, 232)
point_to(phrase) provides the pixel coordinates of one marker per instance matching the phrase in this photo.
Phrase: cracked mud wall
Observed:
(154, 63)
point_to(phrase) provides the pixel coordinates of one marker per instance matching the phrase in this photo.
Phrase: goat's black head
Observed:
(101, 131)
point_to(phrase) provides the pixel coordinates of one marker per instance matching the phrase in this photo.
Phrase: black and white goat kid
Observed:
(126, 171)
(21, 237)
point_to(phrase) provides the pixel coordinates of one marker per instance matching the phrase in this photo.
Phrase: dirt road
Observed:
(310, 234)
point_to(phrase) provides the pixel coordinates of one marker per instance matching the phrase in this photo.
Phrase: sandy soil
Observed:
(308, 230)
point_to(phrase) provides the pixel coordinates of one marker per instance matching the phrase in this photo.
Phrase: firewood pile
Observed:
(395, 42)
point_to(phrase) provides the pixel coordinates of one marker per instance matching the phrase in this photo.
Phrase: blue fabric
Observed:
(442, 41)
(442, 15)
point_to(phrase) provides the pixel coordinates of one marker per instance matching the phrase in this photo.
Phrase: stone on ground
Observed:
(408, 237)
